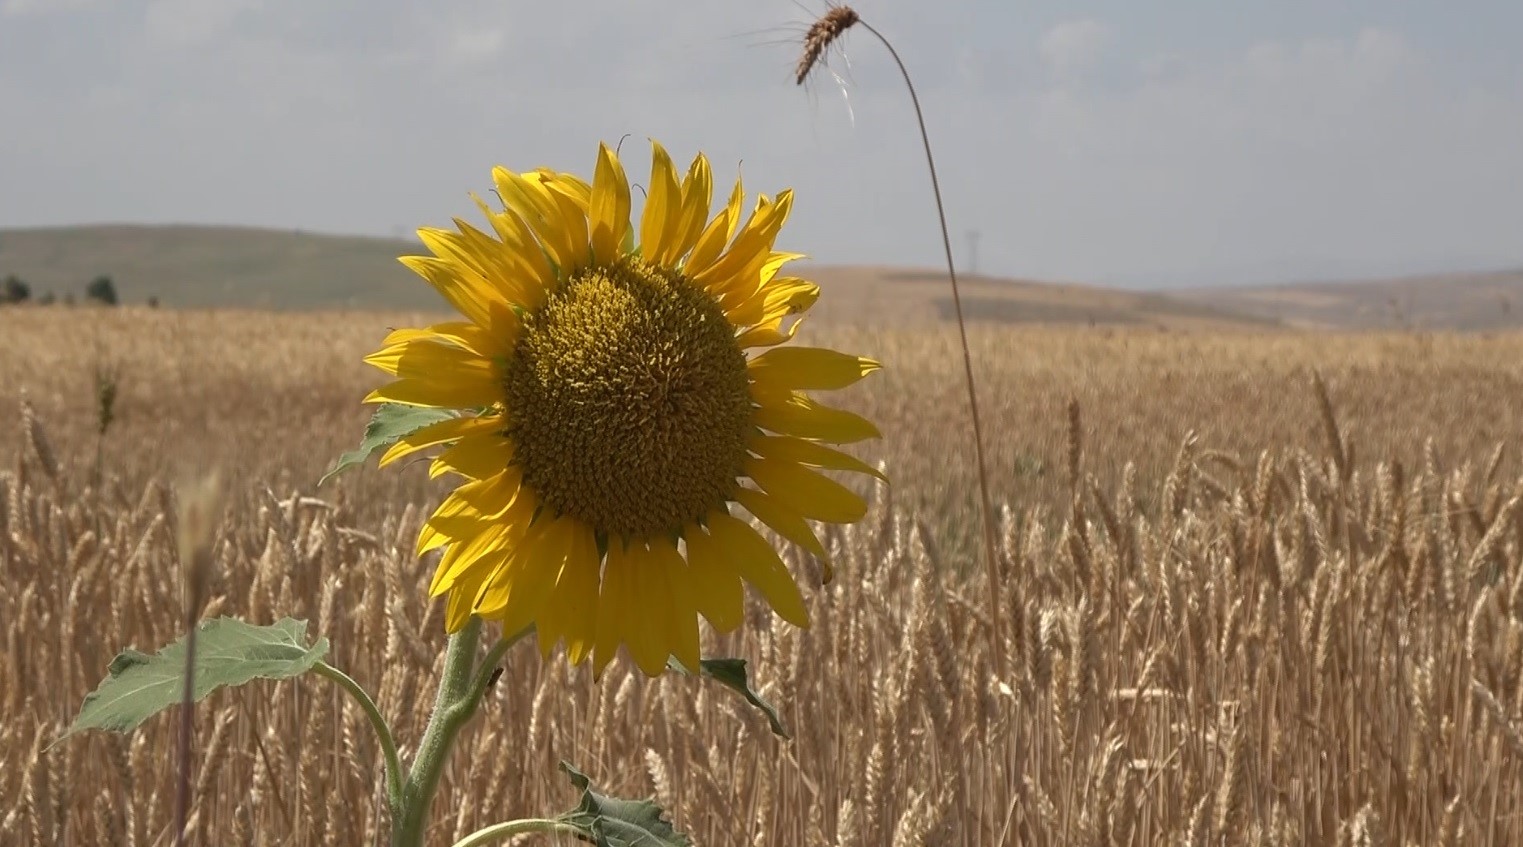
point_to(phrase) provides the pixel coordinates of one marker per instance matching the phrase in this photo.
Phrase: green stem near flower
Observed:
(461, 689)
(378, 723)
(487, 672)
(500, 831)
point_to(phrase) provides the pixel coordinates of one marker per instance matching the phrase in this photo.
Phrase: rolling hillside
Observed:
(901, 296)
(200, 266)
(216, 266)
(1483, 301)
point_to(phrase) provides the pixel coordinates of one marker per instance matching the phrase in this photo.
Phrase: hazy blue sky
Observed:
(1174, 141)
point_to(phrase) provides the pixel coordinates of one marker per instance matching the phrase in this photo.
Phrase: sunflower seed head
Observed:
(821, 35)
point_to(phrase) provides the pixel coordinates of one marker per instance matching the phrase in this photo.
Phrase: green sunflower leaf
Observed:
(228, 652)
(732, 674)
(391, 423)
(612, 822)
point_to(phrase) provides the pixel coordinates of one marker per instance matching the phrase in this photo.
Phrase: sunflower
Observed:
(612, 415)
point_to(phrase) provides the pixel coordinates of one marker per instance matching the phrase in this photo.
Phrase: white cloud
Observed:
(25, 8)
(474, 45)
(190, 22)
(1369, 59)
(1072, 47)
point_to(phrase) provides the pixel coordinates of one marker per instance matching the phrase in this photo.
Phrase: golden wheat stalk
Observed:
(817, 42)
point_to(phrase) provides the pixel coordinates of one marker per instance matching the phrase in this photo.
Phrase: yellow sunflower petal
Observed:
(809, 368)
(436, 361)
(806, 418)
(519, 239)
(769, 334)
(433, 393)
(697, 196)
(440, 527)
(497, 494)
(663, 207)
(467, 291)
(617, 601)
(755, 241)
(648, 636)
(742, 301)
(770, 298)
(787, 523)
(457, 607)
(806, 452)
(786, 296)
(468, 508)
(477, 339)
(608, 212)
(682, 623)
(570, 185)
(504, 266)
(442, 432)
(474, 553)
(542, 212)
(744, 279)
(774, 263)
(485, 264)
(807, 492)
(516, 592)
(568, 610)
(481, 457)
(717, 592)
(711, 243)
(572, 196)
(472, 560)
(759, 565)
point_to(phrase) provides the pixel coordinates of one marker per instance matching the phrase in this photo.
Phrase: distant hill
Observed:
(860, 293)
(1482, 301)
(210, 266)
(217, 266)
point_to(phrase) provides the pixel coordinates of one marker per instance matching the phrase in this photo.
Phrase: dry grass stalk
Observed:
(819, 37)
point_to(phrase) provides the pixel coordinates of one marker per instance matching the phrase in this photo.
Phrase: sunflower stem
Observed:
(451, 711)
(502, 831)
(486, 673)
(461, 689)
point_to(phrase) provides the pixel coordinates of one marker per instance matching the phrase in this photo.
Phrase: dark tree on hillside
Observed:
(15, 291)
(102, 290)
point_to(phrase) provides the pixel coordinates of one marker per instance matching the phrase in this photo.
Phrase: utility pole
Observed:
(972, 251)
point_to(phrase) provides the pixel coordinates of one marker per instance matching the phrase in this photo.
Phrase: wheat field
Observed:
(1240, 604)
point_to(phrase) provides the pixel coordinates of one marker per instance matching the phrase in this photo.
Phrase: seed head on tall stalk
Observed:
(819, 38)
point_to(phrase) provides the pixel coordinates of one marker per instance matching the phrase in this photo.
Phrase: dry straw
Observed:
(1282, 658)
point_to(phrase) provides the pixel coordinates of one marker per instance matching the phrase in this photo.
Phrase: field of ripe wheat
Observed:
(1238, 604)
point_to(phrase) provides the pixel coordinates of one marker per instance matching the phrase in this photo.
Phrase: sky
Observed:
(1168, 143)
